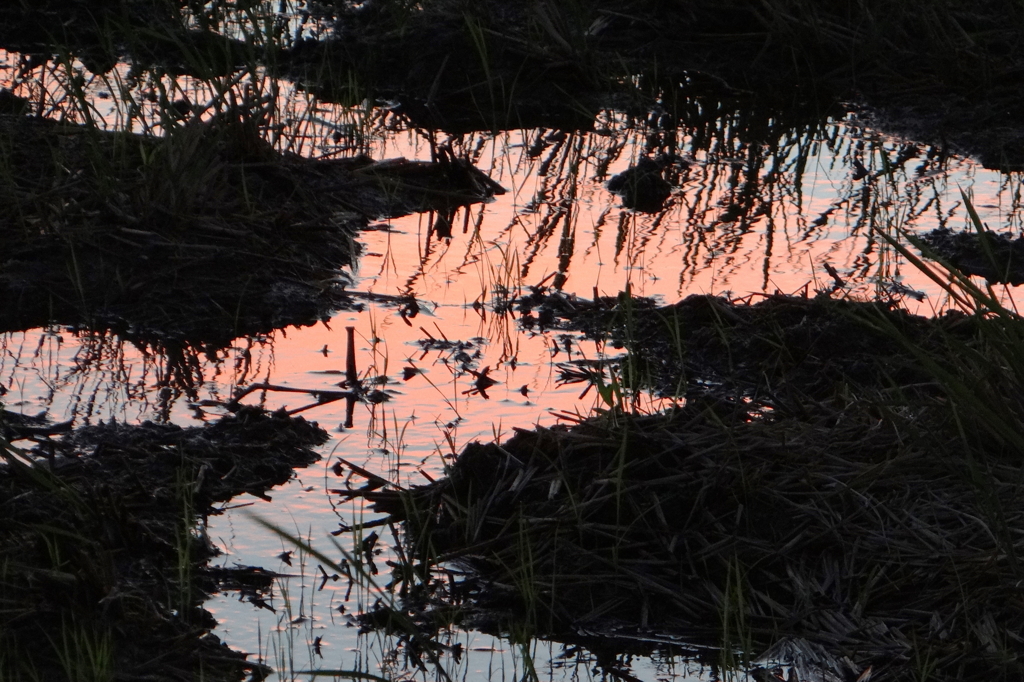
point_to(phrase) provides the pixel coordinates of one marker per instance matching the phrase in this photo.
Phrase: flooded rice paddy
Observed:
(786, 208)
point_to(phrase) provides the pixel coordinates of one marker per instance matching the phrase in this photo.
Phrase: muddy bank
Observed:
(202, 236)
(840, 484)
(993, 256)
(152, 33)
(104, 570)
(770, 350)
(946, 73)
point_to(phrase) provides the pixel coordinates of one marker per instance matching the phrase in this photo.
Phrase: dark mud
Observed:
(993, 256)
(767, 350)
(945, 73)
(104, 570)
(151, 32)
(815, 493)
(201, 236)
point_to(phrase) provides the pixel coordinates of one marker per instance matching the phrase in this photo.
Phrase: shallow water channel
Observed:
(744, 218)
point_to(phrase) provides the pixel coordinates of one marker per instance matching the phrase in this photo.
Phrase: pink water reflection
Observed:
(743, 219)
(800, 208)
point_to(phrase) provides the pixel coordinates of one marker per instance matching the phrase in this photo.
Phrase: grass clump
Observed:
(841, 484)
(103, 560)
(945, 71)
(205, 234)
(103, 227)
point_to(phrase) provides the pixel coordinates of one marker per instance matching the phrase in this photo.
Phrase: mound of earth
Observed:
(831, 485)
(104, 564)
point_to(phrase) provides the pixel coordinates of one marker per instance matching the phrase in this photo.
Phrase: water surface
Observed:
(753, 210)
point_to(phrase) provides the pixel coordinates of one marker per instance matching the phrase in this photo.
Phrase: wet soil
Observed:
(104, 570)
(813, 491)
(946, 73)
(201, 236)
(809, 422)
(765, 348)
(993, 256)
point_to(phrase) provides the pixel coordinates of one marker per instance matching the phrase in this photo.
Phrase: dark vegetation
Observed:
(151, 32)
(945, 71)
(994, 256)
(203, 235)
(844, 479)
(102, 569)
(780, 350)
(842, 476)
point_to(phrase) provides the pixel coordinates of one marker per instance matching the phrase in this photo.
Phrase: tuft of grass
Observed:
(101, 571)
(842, 480)
(84, 655)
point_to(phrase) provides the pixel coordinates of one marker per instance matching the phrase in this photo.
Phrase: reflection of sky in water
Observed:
(745, 218)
